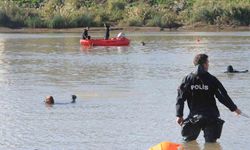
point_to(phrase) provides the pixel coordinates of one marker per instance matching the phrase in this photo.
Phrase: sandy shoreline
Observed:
(200, 28)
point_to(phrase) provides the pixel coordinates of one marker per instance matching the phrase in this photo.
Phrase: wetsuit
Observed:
(236, 71)
(107, 32)
(230, 69)
(200, 89)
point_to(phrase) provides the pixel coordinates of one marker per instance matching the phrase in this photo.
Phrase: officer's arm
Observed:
(181, 97)
(223, 97)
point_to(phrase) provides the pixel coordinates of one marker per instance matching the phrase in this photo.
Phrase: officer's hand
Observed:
(237, 111)
(179, 120)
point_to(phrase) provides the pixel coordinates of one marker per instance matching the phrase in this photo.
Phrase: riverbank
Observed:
(145, 13)
(190, 28)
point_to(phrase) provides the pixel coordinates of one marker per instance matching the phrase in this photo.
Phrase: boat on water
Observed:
(118, 41)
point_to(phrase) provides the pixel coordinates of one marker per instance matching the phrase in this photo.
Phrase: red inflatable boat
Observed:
(102, 42)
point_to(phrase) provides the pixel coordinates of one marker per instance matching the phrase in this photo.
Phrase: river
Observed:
(125, 95)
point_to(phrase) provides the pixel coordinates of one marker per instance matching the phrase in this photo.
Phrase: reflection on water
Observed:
(209, 146)
(101, 49)
(126, 95)
(194, 145)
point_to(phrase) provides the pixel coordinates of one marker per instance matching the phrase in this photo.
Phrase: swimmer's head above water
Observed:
(49, 100)
(73, 98)
(230, 68)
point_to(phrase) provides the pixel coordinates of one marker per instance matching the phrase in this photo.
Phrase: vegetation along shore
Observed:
(172, 14)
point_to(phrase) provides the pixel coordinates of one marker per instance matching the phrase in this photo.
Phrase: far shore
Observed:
(194, 28)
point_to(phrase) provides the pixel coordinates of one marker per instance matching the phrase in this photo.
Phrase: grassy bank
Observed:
(116, 30)
(123, 13)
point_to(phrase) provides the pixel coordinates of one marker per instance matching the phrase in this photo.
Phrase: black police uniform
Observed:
(200, 89)
(107, 32)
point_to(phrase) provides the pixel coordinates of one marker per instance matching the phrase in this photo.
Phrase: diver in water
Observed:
(49, 100)
(230, 69)
(107, 31)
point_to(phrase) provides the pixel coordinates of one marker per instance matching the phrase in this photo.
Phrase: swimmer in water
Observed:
(50, 100)
(73, 98)
(107, 33)
(143, 43)
(230, 69)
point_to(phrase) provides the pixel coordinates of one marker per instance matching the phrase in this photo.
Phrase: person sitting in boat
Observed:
(107, 31)
(49, 100)
(85, 34)
(230, 69)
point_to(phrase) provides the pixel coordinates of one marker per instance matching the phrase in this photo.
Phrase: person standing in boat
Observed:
(199, 89)
(107, 31)
(85, 34)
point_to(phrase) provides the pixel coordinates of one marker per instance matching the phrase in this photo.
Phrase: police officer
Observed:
(199, 89)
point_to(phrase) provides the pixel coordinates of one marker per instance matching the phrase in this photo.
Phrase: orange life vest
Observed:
(167, 146)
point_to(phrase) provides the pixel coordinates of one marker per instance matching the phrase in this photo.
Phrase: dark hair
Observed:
(74, 97)
(200, 59)
(49, 100)
(230, 68)
(52, 100)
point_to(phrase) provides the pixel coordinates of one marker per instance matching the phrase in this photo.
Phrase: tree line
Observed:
(141, 13)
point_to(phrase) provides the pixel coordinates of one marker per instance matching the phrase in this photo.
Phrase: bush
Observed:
(100, 19)
(155, 21)
(241, 15)
(11, 14)
(4, 19)
(116, 9)
(161, 13)
(57, 22)
(34, 22)
(115, 5)
(206, 11)
(134, 22)
(168, 20)
(138, 15)
(84, 20)
(222, 12)
(29, 3)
